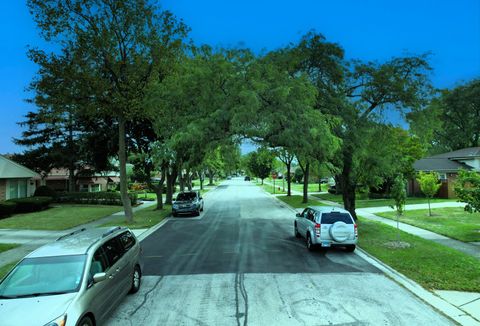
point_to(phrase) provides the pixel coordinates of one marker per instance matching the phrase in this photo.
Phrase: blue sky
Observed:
(368, 30)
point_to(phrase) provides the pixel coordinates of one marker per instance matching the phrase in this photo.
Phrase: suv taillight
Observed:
(317, 229)
(356, 231)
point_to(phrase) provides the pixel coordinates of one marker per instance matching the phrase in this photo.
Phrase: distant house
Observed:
(16, 181)
(58, 180)
(447, 166)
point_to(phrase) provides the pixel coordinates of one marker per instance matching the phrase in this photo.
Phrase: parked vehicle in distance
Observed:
(326, 226)
(76, 280)
(188, 202)
(247, 178)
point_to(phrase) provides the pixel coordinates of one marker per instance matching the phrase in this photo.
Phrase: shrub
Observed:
(45, 191)
(95, 198)
(7, 208)
(31, 204)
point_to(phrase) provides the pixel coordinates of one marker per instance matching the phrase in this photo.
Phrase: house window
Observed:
(84, 188)
(17, 188)
(442, 176)
(95, 188)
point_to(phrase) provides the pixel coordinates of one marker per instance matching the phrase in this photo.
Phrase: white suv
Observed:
(326, 226)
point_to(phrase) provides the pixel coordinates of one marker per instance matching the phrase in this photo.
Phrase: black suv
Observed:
(188, 202)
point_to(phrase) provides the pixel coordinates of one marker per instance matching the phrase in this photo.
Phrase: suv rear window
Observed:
(330, 218)
(186, 196)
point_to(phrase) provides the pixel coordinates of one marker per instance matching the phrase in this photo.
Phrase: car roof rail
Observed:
(70, 234)
(110, 231)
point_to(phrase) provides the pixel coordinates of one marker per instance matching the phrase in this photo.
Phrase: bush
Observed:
(7, 208)
(95, 198)
(31, 204)
(45, 191)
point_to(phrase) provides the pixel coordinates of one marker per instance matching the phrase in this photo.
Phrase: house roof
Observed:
(448, 162)
(9, 170)
(470, 152)
(439, 164)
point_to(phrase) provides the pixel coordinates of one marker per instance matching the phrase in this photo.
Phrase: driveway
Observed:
(239, 264)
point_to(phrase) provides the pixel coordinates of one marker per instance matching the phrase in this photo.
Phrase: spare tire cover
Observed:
(339, 231)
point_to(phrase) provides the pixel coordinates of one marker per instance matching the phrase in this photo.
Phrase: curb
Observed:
(430, 298)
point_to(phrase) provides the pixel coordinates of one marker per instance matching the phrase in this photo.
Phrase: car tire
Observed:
(297, 234)
(136, 280)
(85, 321)
(309, 243)
(350, 248)
(201, 210)
(197, 212)
(174, 214)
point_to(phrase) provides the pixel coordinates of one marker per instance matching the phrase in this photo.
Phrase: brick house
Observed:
(57, 179)
(447, 166)
(16, 181)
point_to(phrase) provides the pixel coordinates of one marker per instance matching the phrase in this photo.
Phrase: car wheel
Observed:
(350, 248)
(136, 280)
(297, 234)
(174, 214)
(85, 321)
(201, 209)
(197, 213)
(309, 242)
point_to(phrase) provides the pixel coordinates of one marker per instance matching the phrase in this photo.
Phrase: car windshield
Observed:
(44, 276)
(186, 196)
(330, 218)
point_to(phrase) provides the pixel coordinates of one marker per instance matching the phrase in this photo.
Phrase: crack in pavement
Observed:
(240, 287)
(145, 296)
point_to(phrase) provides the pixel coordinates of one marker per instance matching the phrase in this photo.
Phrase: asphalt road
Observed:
(240, 264)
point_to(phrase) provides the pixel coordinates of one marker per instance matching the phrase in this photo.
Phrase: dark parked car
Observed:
(247, 178)
(188, 202)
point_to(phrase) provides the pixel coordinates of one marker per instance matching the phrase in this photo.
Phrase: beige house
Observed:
(57, 179)
(16, 181)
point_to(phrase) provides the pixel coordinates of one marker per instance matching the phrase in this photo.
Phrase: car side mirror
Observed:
(201, 197)
(299, 215)
(99, 277)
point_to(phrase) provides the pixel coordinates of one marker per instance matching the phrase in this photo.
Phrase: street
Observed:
(240, 264)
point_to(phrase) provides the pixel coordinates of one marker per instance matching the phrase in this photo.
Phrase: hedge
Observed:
(95, 198)
(31, 204)
(45, 191)
(7, 208)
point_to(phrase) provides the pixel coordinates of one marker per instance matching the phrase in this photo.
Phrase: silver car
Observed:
(188, 202)
(76, 280)
(326, 227)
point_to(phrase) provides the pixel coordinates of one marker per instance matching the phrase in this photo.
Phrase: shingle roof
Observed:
(469, 152)
(11, 169)
(447, 162)
(439, 164)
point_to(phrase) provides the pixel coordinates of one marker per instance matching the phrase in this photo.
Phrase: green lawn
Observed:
(147, 196)
(5, 269)
(269, 188)
(363, 203)
(7, 246)
(143, 218)
(452, 222)
(295, 201)
(312, 187)
(59, 217)
(430, 264)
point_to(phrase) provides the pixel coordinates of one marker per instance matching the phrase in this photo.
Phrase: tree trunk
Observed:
(306, 173)
(289, 180)
(210, 177)
(159, 190)
(200, 177)
(71, 178)
(171, 177)
(189, 180)
(429, 210)
(122, 158)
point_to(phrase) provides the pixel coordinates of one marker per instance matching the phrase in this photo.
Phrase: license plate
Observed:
(326, 244)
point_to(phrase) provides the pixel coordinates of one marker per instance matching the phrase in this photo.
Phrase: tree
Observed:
(261, 163)
(119, 48)
(399, 195)
(429, 185)
(467, 189)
